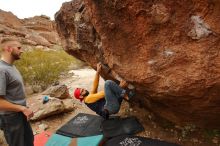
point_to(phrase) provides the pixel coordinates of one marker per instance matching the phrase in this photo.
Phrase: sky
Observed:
(29, 8)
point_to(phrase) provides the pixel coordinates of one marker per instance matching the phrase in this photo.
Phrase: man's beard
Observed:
(86, 94)
(15, 55)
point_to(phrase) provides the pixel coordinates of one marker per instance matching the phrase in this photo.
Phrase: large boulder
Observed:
(58, 91)
(168, 49)
(53, 107)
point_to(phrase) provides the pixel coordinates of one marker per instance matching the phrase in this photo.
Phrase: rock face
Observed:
(43, 28)
(169, 50)
(58, 91)
(35, 31)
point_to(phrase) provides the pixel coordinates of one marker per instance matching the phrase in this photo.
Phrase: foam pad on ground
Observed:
(58, 140)
(129, 140)
(86, 141)
(121, 126)
(82, 125)
(41, 138)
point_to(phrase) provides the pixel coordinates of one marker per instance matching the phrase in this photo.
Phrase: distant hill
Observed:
(38, 31)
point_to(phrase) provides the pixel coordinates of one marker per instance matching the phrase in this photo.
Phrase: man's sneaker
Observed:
(129, 94)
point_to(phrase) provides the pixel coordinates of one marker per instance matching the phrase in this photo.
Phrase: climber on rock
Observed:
(106, 102)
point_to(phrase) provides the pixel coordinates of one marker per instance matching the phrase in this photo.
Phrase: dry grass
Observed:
(42, 68)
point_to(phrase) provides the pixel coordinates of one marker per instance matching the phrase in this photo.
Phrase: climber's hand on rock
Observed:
(99, 67)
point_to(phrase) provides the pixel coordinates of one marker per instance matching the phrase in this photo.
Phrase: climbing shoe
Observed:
(130, 93)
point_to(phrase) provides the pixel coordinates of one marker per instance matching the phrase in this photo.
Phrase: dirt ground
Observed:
(154, 127)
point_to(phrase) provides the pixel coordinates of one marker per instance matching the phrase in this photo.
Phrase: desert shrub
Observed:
(42, 68)
(211, 133)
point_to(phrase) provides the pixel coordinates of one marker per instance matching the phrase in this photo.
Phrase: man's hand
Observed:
(123, 84)
(27, 112)
(99, 67)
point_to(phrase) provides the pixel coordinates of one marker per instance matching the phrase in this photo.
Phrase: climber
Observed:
(106, 102)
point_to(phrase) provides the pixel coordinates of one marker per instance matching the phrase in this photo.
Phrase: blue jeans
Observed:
(113, 96)
(17, 129)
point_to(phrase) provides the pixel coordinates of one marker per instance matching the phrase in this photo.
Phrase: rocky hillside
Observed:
(37, 31)
(169, 50)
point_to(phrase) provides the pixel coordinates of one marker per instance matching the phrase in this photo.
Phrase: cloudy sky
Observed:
(30, 8)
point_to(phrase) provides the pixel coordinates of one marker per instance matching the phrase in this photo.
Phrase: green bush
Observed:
(42, 68)
(211, 133)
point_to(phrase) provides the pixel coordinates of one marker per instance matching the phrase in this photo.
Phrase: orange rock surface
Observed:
(169, 50)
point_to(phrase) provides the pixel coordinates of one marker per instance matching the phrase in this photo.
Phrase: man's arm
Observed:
(96, 80)
(7, 106)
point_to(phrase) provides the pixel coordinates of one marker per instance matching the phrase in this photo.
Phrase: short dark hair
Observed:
(3, 41)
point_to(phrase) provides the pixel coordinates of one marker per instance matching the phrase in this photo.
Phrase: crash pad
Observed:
(86, 141)
(58, 140)
(82, 125)
(41, 138)
(121, 126)
(129, 140)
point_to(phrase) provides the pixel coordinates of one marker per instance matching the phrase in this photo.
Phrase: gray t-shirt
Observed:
(11, 85)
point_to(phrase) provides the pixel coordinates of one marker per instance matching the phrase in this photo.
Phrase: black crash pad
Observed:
(121, 126)
(129, 140)
(82, 125)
